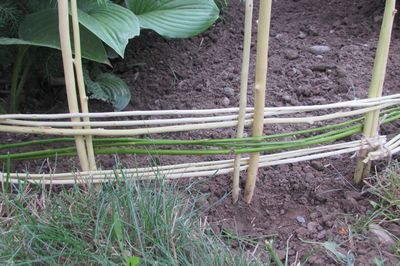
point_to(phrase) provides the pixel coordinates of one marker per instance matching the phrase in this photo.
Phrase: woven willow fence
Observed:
(101, 133)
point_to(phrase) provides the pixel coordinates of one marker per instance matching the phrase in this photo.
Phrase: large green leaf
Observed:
(41, 29)
(112, 23)
(175, 18)
(109, 88)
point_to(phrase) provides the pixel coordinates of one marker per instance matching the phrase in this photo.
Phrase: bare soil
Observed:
(306, 202)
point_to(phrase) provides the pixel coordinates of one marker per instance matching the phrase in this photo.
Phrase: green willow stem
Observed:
(206, 142)
(177, 142)
(238, 147)
(98, 150)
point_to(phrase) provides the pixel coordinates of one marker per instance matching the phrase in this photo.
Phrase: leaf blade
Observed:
(41, 29)
(113, 24)
(175, 18)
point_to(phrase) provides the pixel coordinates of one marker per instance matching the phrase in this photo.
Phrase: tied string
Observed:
(377, 148)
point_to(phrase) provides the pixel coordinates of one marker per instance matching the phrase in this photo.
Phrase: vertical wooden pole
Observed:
(81, 83)
(63, 18)
(371, 124)
(259, 91)
(244, 79)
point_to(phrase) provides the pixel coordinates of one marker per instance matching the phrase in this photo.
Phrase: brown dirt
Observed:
(203, 72)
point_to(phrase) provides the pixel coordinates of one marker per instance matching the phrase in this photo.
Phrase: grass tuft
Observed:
(131, 223)
(384, 215)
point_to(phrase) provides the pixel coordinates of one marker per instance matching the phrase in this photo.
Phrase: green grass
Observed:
(128, 223)
(385, 205)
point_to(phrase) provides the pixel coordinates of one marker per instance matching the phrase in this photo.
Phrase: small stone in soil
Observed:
(317, 165)
(321, 235)
(381, 234)
(229, 92)
(312, 226)
(300, 219)
(301, 35)
(291, 54)
(319, 49)
(225, 101)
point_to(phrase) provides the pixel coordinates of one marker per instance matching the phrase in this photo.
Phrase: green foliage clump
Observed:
(143, 223)
(104, 25)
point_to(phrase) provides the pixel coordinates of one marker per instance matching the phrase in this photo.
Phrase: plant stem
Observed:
(261, 80)
(15, 78)
(22, 80)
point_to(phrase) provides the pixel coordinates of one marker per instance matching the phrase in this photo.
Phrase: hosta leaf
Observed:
(112, 23)
(109, 88)
(175, 18)
(41, 29)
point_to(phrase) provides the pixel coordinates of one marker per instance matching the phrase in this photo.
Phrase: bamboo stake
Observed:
(378, 77)
(65, 41)
(261, 82)
(81, 83)
(243, 94)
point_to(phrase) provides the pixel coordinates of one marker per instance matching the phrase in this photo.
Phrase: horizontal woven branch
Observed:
(269, 111)
(13, 123)
(200, 169)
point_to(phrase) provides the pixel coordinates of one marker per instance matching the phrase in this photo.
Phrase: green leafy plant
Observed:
(104, 24)
(107, 87)
(175, 18)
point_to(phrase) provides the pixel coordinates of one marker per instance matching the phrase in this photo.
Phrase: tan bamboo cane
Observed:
(261, 82)
(81, 83)
(244, 79)
(65, 41)
(378, 77)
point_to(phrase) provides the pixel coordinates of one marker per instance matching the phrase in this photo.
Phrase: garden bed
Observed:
(313, 201)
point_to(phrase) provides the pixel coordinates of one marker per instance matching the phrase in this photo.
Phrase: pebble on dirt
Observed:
(225, 101)
(319, 49)
(301, 219)
(291, 54)
(317, 165)
(229, 92)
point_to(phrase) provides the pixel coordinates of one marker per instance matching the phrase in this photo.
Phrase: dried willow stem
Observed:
(243, 94)
(39, 129)
(268, 111)
(261, 82)
(227, 120)
(81, 83)
(65, 41)
(378, 77)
